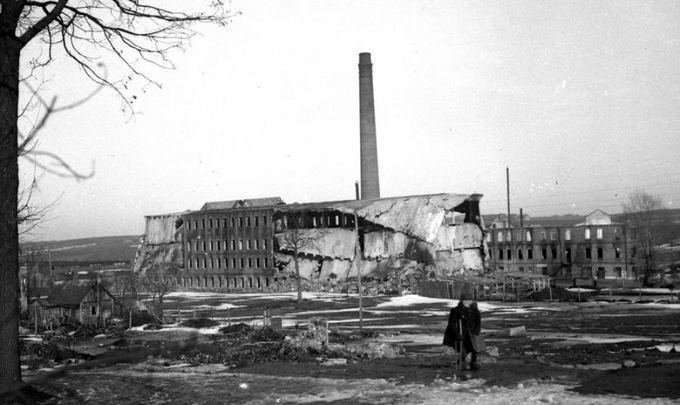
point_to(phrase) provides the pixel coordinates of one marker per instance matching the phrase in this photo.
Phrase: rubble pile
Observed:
(199, 323)
(402, 241)
(242, 344)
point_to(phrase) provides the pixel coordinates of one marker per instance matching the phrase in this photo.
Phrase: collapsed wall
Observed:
(161, 242)
(401, 241)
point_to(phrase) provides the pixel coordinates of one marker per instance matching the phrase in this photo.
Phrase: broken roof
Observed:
(247, 203)
(419, 215)
(66, 295)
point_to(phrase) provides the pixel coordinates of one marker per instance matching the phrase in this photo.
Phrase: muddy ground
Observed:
(571, 353)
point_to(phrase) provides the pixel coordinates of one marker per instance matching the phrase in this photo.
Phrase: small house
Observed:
(84, 303)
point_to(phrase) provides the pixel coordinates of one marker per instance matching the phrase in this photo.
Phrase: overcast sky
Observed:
(580, 99)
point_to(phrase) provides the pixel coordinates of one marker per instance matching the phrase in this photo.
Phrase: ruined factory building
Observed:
(250, 245)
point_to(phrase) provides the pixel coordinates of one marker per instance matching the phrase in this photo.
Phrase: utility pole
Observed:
(521, 218)
(357, 257)
(356, 191)
(507, 188)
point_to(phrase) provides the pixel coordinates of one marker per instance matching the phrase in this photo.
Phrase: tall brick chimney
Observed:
(370, 183)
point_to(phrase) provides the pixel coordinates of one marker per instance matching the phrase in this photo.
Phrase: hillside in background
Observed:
(103, 249)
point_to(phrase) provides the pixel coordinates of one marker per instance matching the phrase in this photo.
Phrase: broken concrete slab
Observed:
(325, 242)
(460, 236)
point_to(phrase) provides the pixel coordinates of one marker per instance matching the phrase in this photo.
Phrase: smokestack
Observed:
(370, 184)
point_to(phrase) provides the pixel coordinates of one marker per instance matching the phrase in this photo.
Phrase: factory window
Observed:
(544, 253)
(188, 246)
(240, 263)
(500, 254)
(257, 220)
(203, 223)
(567, 253)
(530, 254)
(188, 224)
(567, 234)
(224, 222)
(617, 253)
(599, 233)
(247, 221)
(337, 220)
(553, 252)
(224, 245)
(203, 245)
(210, 223)
(266, 262)
(191, 264)
(587, 235)
(264, 220)
(197, 264)
(240, 221)
(233, 223)
(500, 237)
(509, 254)
(520, 254)
(212, 263)
(552, 235)
(195, 224)
(600, 253)
(248, 244)
(240, 244)
(233, 263)
(257, 262)
(212, 245)
(233, 244)
(264, 244)
(588, 253)
(219, 262)
(257, 244)
(218, 245)
(618, 272)
(528, 236)
(542, 235)
(250, 262)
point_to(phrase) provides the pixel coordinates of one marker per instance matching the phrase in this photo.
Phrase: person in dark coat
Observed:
(463, 321)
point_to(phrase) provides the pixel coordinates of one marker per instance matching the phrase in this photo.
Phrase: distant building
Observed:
(237, 245)
(595, 250)
(228, 245)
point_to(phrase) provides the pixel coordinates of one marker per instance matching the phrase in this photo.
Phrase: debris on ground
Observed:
(199, 323)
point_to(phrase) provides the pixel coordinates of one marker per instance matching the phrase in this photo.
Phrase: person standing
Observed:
(462, 332)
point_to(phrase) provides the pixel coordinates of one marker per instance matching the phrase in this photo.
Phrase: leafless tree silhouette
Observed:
(132, 34)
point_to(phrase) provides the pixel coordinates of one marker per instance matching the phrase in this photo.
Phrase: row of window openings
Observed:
(222, 245)
(220, 263)
(553, 252)
(320, 221)
(234, 221)
(501, 235)
(214, 282)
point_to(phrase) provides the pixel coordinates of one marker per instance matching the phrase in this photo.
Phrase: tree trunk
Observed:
(297, 275)
(10, 369)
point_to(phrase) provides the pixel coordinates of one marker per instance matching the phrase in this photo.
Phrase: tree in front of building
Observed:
(129, 36)
(296, 239)
(646, 214)
(157, 281)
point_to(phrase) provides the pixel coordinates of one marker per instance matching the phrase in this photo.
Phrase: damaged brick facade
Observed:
(241, 245)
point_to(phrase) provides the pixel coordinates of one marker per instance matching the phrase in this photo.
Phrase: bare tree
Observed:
(296, 239)
(645, 212)
(133, 34)
(158, 281)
